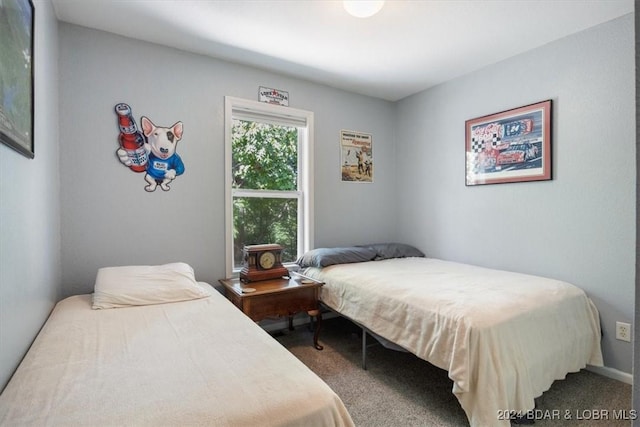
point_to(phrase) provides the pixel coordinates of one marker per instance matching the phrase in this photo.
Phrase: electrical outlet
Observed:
(623, 331)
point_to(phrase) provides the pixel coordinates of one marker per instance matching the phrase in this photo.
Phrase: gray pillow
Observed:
(394, 250)
(323, 257)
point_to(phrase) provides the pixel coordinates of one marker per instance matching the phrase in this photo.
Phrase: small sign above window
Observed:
(274, 96)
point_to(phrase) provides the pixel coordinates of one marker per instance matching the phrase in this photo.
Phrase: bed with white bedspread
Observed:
(186, 363)
(503, 337)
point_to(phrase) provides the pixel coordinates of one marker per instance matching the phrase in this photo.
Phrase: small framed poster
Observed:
(357, 156)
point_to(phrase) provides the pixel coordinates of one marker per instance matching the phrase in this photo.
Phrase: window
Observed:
(268, 178)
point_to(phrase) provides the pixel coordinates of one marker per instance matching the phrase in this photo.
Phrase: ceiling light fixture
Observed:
(363, 8)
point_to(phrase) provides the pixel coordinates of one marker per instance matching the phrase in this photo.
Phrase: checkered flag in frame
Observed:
(477, 145)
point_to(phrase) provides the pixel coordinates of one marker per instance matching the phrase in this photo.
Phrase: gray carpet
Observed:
(398, 389)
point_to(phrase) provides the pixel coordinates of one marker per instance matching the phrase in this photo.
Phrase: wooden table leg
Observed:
(318, 315)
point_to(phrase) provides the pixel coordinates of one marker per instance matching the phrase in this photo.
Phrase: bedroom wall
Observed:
(109, 219)
(30, 210)
(578, 227)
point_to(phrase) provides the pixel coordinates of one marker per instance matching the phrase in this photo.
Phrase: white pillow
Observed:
(145, 284)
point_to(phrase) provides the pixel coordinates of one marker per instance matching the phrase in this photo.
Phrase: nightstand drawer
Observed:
(279, 304)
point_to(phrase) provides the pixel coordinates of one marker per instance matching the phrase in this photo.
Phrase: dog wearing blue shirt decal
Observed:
(164, 164)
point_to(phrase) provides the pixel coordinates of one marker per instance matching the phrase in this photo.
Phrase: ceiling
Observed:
(407, 47)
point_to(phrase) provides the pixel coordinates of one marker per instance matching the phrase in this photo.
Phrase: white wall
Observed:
(579, 227)
(108, 218)
(30, 211)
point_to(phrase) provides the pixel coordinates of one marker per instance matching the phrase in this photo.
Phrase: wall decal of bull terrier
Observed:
(152, 151)
(164, 164)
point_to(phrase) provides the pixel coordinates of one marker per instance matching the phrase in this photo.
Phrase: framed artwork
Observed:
(356, 156)
(511, 146)
(16, 69)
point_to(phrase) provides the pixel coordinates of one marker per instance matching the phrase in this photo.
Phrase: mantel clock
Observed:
(262, 262)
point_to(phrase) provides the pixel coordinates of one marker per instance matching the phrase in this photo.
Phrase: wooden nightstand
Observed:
(277, 298)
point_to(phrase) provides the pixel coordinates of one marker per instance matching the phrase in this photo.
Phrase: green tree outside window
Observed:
(265, 159)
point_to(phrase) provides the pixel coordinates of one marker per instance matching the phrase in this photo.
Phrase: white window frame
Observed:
(276, 114)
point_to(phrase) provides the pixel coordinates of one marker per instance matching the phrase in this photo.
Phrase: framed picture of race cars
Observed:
(510, 146)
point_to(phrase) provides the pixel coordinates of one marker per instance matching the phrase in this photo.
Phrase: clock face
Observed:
(267, 260)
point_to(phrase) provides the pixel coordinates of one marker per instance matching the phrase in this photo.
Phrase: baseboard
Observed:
(611, 373)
